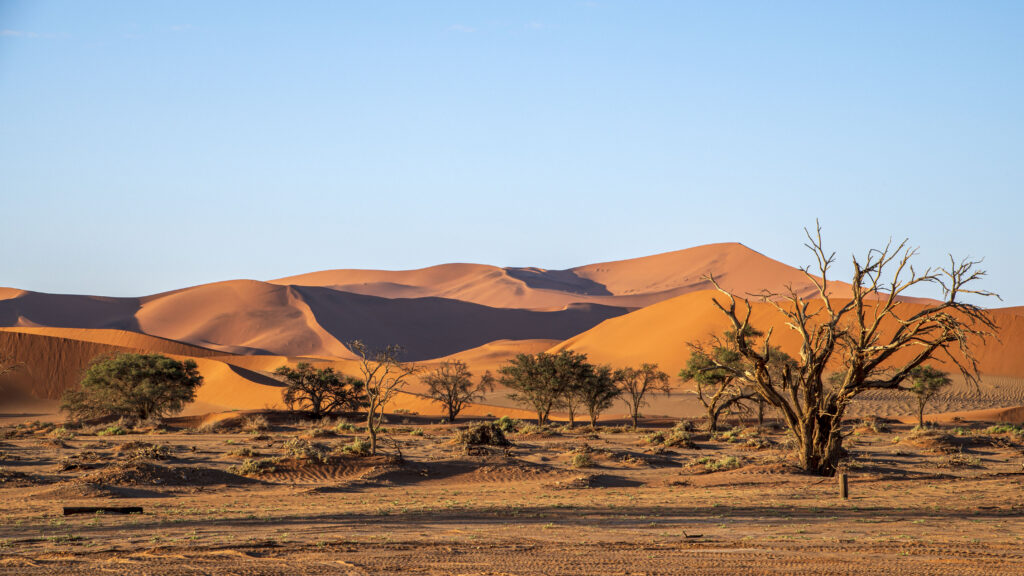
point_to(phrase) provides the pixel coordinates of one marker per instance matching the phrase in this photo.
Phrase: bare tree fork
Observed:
(874, 338)
(636, 383)
(384, 377)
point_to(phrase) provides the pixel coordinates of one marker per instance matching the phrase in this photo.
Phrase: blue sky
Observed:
(146, 146)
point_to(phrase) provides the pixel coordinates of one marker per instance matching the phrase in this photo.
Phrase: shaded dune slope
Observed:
(433, 327)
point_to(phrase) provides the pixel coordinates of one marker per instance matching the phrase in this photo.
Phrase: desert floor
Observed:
(611, 501)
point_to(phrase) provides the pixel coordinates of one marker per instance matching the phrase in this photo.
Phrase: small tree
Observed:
(320, 390)
(572, 372)
(451, 385)
(385, 376)
(718, 387)
(718, 372)
(873, 335)
(534, 380)
(138, 386)
(636, 383)
(925, 383)
(599, 392)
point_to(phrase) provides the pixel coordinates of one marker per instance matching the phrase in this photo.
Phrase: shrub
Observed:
(508, 425)
(581, 460)
(244, 453)
(112, 430)
(1005, 429)
(357, 447)
(344, 426)
(305, 450)
(483, 434)
(722, 464)
(255, 467)
(416, 432)
(255, 424)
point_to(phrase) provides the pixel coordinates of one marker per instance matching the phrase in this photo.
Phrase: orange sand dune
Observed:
(239, 316)
(630, 283)
(659, 333)
(493, 354)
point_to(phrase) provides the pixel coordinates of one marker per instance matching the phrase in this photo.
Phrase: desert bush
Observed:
(531, 428)
(581, 460)
(721, 464)
(1005, 429)
(244, 453)
(303, 449)
(508, 425)
(255, 467)
(483, 434)
(416, 432)
(255, 424)
(357, 447)
(112, 430)
(344, 426)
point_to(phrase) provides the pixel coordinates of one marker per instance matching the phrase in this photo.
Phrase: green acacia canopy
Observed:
(139, 386)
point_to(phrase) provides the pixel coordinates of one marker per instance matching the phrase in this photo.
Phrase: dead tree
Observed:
(384, 376)
(873, 337)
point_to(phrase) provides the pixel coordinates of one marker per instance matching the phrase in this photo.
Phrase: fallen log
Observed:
(69, 510)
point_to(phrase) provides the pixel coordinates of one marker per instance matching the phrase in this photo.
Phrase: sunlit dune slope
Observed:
(239, 316)
(659, 333)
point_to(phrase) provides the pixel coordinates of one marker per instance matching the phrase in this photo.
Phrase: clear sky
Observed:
(147, 146)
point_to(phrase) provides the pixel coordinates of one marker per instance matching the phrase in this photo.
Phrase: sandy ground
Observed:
(946, 502)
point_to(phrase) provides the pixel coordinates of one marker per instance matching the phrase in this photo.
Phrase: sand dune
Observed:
(659, 333)
(630, 283)
(240, 316)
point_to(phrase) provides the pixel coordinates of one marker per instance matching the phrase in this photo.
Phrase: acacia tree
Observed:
(876, 339)
(599, 392)
(715, 374)
(533, 379)
(139, 386)
(636, 383)
(451, 385)
(925, 382)
(718, 372)
(320, 390)
(573, 372)
(384, 377)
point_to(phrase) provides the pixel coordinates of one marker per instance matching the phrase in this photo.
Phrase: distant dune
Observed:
(630, 283)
